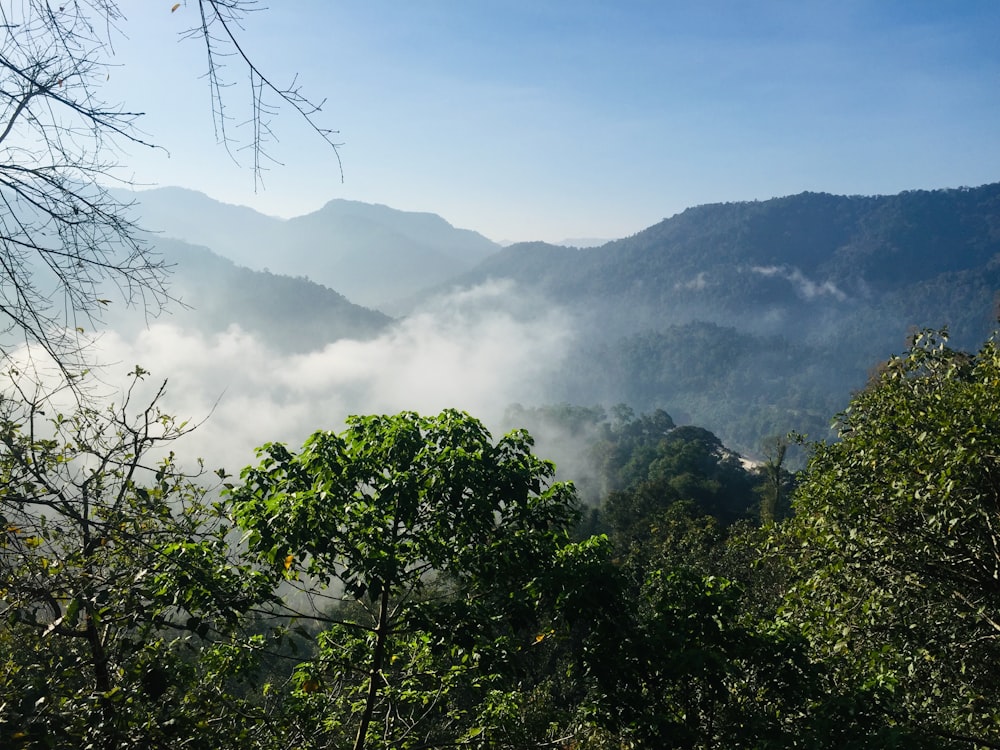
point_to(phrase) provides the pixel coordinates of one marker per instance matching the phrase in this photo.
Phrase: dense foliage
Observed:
(411, 582)
(896, 542)
(120, 594)
(437, 536)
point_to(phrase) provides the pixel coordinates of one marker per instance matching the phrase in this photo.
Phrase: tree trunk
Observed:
(378, 657)
(102, 679)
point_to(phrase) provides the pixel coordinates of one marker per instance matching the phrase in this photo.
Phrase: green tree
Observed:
(776, 483)
(895, 543)
(435, 535)
(661, 467)
(666, 657)
(114, 565)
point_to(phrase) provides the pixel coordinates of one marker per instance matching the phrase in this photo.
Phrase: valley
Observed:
(750, 319)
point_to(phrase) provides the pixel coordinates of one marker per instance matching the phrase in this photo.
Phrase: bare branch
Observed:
(65, 239)
(217, 29)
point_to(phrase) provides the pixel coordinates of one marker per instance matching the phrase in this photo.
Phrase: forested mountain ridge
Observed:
(750, 318)
(761, 317)
(755, 264)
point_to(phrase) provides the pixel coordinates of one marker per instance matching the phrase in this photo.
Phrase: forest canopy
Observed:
(412, 582)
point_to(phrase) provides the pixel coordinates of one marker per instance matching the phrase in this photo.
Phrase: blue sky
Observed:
(547, 120)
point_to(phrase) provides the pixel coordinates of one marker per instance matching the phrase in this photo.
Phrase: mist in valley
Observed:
(723, 316)
(478, 350)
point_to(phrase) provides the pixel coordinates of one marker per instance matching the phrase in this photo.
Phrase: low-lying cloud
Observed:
(698, 283)
(804, 287)
(476, 349)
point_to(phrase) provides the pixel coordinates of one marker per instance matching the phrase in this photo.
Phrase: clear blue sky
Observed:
(527, 119)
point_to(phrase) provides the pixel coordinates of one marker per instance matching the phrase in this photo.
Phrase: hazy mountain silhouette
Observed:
(787, 266)
(289, 314)
(372, 254)
(583, 242)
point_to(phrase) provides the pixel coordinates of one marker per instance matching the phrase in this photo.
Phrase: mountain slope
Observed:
(759, 266)
(375, 254)
(288, 314)
(761, 317)
(236, 232)
(750, 319)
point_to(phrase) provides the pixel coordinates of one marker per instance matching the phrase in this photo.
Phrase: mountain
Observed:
(372, 254)
(750, 319)
(760, 317)
(236, 232)
(763, 265)
(583, 242)
(289, 314)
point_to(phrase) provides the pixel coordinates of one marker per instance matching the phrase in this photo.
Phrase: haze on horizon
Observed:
(525, 120)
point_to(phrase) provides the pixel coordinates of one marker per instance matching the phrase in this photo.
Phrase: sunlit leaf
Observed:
(73, 612)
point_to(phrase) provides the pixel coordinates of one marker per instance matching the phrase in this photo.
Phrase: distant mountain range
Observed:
(750, 318)
(583, 242)
(373, 254)
(569, 242)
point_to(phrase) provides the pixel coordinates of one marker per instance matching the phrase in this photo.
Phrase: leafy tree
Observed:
(672, 642)
(895, 544)
(434, 534)
(663, 655)
(776, 482)
(670, 465)
(113, 565)
(630, 445)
